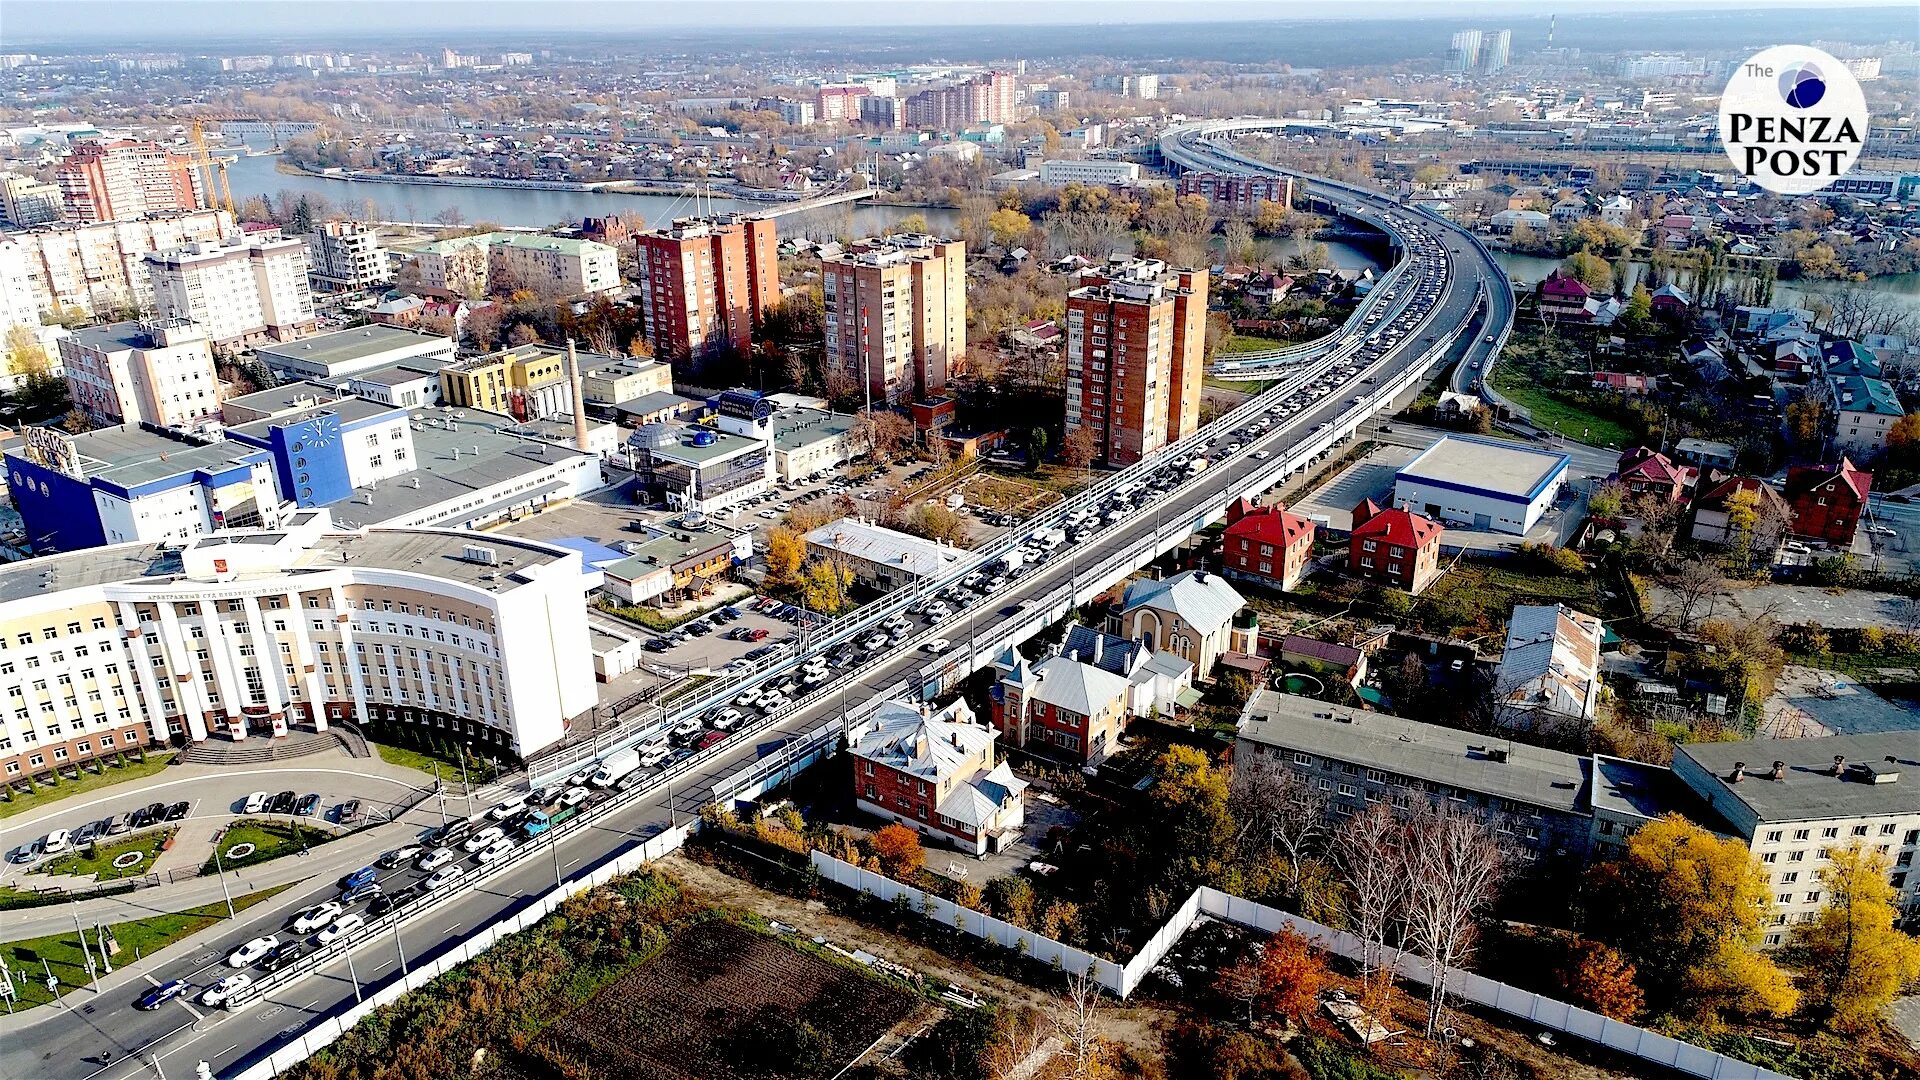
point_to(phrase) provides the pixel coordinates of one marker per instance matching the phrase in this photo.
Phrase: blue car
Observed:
(363, 876)
(161, 994)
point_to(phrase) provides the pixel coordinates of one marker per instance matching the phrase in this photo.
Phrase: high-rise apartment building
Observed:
(126, 178)
(238, 291)
(705, 283)
(840, 101)
(99, 267)
(1242, 194)
(1136, 352)
(882, 111)
(1144, 87)
(1463, 54)
(991, 98)
(26, 202)
(1496, 51)
(158, 373)
(346, 257)
(896, 315)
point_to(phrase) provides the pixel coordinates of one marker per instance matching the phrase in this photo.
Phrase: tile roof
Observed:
(1270, 525)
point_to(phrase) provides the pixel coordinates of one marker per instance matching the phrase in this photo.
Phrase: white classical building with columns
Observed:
(249, 634)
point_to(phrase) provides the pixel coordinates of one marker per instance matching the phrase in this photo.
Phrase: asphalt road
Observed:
(64, 1042)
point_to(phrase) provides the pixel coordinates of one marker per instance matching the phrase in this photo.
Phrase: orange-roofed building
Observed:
(1267, 545)
(1394, 547)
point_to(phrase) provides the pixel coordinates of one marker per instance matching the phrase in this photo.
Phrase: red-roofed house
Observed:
(1827, 501)
(1563, 296)
(1628, 385)
(1267, 545)
(1394, 547)
(1648, 472)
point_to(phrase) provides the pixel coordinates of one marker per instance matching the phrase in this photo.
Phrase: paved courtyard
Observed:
(1850, 608)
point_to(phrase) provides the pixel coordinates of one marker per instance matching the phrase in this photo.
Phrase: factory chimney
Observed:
(579, 399)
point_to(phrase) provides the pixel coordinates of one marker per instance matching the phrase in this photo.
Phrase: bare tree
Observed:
(1455, 867)
(1279, 810)
(1697, 584)
(1074, 1021)
(1370, 851)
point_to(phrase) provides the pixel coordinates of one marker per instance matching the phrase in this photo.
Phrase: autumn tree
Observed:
(1599, 978)
(1283, 976)
(786, 550)
(1593, 271)
(1188, 817)
(1008, 227)
(1079, 449)
(1456, 866)
(1012, 899)
(1280, 812)
(1689, 910)
(899, 851)
(1371, 853)
(1852, 958)
(826, 586)
(1270, 218)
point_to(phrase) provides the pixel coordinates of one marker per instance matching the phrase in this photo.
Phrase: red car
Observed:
(709, 739)
(756, 635)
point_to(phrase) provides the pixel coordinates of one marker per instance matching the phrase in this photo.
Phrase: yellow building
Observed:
(528, 382)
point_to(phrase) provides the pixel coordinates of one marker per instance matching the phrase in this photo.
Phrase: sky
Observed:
(79, 21)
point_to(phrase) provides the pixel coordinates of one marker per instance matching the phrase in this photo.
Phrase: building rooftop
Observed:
(129, 455)
(537, 241)
(1486, 464)
(690, 448)
(1204, 601)
(1456, 759)
(878, 544)
(472, 455)
(395, 374)
(797, 427)
(121, 336)
(657, 401)
(1855, 393)
(294, 402)
(1871, 785)
(346, 346)
(438, 552)
(1635, 789)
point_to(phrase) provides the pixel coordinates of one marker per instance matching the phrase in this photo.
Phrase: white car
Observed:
(223, 991)
(1262, 455)
(937, 645)
(1883, 530)
(484, 838)
(446, 875)
(499, 850)
(434, 860)
(246, 955)
(507, 809)
(339, 928)
(255, 803)
(652, 755)
(316, 917)
(728, 720)
(574, 796)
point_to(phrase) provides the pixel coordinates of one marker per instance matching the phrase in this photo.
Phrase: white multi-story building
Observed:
(26, 202)
(159, 373)
(255, 633)
(101, 267)
(347, 257)
(1095, 171)
(239, 290)
(1795, 801)
(330, 358)
(505, 261)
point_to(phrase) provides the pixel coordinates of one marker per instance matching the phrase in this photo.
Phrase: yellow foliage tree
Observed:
(1854, 961)
(786, 549)
(827, 585)
(1008, 226)
(1689, 909)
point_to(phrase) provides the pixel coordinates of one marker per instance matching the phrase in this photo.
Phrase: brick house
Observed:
(935, 772)
(1710, 516)
(1060, 707)
(1563, 296)
(1267, 545)
(1827, 501)
(1645, 471)
(1191, 615)
(1398, 548)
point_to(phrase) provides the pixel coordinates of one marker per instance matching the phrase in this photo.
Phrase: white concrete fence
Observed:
(1123, 980)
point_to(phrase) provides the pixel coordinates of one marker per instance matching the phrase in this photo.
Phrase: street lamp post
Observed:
(222, 872)
(352, 973)
(399, 948)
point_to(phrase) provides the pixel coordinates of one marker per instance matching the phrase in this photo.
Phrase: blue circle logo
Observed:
(1802, 86)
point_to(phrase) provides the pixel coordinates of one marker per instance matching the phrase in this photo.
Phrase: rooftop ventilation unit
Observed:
(477, 553)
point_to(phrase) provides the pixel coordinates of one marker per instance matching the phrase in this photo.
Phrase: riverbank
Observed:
(598, 187)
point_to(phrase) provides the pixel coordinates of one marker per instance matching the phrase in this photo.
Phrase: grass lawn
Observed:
(62, 952)
(1479, 596)
(270, 840)
(109, 775)
(97, 859)
(1238, 386)
(479, 769)
(1246, 343)
(1056, 478)
(1553, 414)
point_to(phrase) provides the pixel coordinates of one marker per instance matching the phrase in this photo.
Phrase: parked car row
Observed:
(61, 841)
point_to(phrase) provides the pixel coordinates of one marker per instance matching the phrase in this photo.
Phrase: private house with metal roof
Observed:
(1550, 670)
(934, 771)
(1795, 801)
(1076, 702)
(1482, 484)
(1864, 412)
(1266, 545)
(1828, 500)
(1193, 615)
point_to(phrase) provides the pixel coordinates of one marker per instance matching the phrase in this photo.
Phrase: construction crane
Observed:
(220, 195)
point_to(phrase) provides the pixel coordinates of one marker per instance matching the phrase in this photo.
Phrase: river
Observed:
(535, 208)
